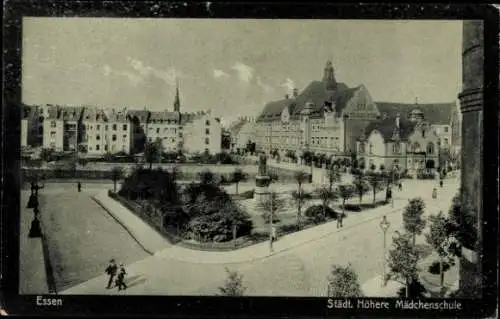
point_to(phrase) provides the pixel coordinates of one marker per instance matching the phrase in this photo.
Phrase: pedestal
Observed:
(261, 192)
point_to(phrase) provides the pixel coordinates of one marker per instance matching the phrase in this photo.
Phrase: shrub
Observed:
(287, 229)
(315, 213)
(248, 194)
(364, 206)
(434, 267)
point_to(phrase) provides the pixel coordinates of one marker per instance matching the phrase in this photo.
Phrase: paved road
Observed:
(81, 236)
(300, 271)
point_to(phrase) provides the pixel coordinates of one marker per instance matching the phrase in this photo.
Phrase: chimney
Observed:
(295, 92)
(397, 120)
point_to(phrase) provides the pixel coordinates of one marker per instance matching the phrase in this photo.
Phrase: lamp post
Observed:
(35, 230)
(384, 225)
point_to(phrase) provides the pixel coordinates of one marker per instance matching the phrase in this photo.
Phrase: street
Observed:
(299, 271)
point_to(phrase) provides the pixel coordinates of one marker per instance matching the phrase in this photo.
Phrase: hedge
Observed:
(364, 206)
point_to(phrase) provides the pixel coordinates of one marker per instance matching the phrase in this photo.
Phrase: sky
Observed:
(233, 67)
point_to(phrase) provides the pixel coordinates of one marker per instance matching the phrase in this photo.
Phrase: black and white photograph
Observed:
(335, 158)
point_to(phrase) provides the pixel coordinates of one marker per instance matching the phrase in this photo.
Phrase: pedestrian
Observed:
(273, 233)
(111, 271)
(79, 186)
(400, 186)
(340, 220)
(120, 279)
(441, 183)
(434, 193)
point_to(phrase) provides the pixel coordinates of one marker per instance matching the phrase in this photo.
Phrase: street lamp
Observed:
(384, 225)
(271, 235)
(35, 230)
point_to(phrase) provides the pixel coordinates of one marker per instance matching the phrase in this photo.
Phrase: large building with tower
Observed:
(331, 119)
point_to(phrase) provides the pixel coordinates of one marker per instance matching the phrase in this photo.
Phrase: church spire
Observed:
(329, 77)
(177, 101)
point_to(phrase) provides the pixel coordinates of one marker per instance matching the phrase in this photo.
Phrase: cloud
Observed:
(134, 79)
(267, 88)
(220, 74)
(288, 85)
(169, 77)
(245, 72)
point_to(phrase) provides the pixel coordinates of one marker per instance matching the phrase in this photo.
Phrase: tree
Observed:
(437, 237)
(237, 177)
(300, 197)
(374, 180)
(403, 261)
(116, 174)
(151, 153)
(233, 286)
(207, 177)
(345, 192)
(412, 217)
(326, 196)
(46, 154)
(343, 282)
(274, 204)
(334, 176)
(360, 184)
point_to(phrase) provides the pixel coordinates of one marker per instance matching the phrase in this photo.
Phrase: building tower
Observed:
(177, 101)
(329, 77)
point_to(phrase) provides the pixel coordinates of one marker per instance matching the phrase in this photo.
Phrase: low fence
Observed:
(171, 234)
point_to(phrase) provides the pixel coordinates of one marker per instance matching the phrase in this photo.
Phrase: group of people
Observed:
(113, 271)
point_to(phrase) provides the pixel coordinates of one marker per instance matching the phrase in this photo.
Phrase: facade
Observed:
(167, 127)
(326, 117)
(247, 133)
(202, 134)
(53, 127)
(139, 120)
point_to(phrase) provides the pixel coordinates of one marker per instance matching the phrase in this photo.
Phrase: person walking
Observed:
(79, 186)
(273, 233)
(111, 271)
(434, 193)
(400, 186)
(340, 220)
(120, 279)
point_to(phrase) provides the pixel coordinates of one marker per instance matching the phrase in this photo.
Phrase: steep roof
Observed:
(53, 112)
(142, 115)
(387, 126)
(236, 127)
(164, 116)
(435, 113)
(316, 93)
(72, 113)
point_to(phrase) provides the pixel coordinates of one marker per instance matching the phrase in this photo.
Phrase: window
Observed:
(106, 127)
(415, 147)
(124, 137)
(114, 127)
(207, 131)
(114, 137)
(113, 148)
(430, 148)
(445, 141)
(97, 147)
(361, 147)
(396, 148)
(124, 127)
(207, 141)
(158, 130)
(52, 144)
(446, 129)
(106, 147)
(371, 148)
(207, 122)
(98, 127)
(53, 124)
(98, 137)
(52, 135)
(180, 134)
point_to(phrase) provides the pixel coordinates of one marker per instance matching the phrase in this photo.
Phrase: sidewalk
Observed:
(146, 236)
(32, 271)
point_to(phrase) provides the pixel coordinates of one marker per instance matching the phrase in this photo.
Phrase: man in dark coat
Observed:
(79, 186)
(120, 279)
(111, 271)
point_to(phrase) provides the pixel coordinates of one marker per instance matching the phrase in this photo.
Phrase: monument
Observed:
(262, 180)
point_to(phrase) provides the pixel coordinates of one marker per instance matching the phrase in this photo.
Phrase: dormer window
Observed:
(396, 148)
